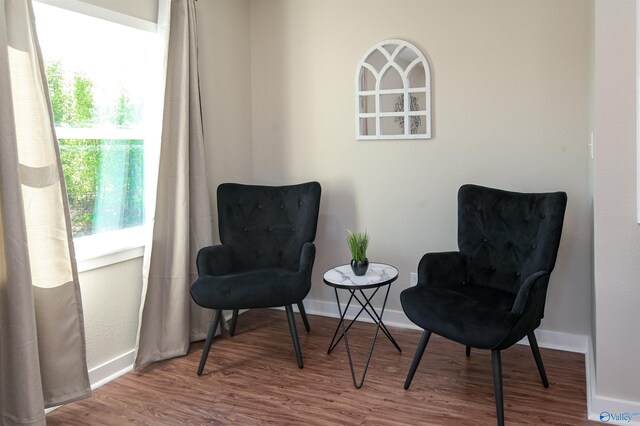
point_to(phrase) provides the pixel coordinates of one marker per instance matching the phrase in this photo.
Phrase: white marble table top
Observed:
(378, 274)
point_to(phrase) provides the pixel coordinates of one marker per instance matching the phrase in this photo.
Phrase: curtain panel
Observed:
(42, 343)
(169, 319)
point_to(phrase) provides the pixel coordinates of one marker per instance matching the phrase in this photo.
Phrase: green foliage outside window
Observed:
(104, 178)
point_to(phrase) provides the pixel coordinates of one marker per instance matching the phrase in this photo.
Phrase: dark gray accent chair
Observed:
(491, 293)
(266, 256)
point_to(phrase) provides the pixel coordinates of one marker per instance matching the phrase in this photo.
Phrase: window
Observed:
(103, 83)
(393, 93)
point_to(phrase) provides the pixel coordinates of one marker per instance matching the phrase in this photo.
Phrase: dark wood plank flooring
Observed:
(253, 378)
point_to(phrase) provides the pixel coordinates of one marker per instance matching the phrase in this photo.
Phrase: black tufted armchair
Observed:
(266, 255)
(491, 293)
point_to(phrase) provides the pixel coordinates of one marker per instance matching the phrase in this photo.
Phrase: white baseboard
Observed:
(111, 370)
(602, 408)
(559, 340)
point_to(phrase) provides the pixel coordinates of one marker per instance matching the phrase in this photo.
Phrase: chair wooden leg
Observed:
(497, 385)
(417, 357)
(294, 334)
(207, 344)
(468, 351)
(303, 314)
(536, 354)
(234, 321)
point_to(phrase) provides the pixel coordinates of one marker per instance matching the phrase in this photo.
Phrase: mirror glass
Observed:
(391, 103)
(418, 124)
(367, 104)
(367, 79)
(367, 126)
(391, 79)
(406, 57)
(418, 101)
(417, 76)
(392, 125)
(390, 48)
(376, 59)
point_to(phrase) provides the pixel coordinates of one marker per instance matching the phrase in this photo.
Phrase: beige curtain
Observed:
(169, 319)
(42, 345)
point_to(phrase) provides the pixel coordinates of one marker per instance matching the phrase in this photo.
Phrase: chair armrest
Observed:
(307, 257)
(442, 269)
(214, 260)
(525, 289)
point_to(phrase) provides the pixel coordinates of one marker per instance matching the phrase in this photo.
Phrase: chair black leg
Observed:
(497, 385)
(234, 321)
(468, 350)
(417, 357)
(207, 343)
(303, 314)
(536, 354)
(294, 334)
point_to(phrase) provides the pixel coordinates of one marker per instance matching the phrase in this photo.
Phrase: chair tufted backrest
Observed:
(266, 226)
(506, 236)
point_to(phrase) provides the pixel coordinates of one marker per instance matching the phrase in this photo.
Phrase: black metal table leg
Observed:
(379, 326)
(378, 318)
(334, 342)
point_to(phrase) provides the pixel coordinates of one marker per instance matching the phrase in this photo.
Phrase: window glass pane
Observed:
(100, 75)
(107, 177)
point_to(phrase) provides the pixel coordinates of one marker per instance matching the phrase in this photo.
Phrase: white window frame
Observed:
(107, 248)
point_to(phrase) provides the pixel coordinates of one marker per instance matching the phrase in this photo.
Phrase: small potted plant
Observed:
(358, 243)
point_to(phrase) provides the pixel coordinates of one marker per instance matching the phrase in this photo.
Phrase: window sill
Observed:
(108, 248)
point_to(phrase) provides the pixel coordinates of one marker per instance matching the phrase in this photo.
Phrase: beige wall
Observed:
(225, 83)
(510, 101)
(110, 301)
(617, 233)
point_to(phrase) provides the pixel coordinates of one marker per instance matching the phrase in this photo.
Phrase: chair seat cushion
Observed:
(471, 315)
(259, 288)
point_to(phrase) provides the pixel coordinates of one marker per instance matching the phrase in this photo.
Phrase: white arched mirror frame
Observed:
(409, 118)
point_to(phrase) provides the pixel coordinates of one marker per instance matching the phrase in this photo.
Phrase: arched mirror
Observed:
(393, 93)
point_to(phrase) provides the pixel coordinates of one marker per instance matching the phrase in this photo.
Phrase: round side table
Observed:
(378, 276)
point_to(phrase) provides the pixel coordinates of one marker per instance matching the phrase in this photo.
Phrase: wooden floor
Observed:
(253, 378)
